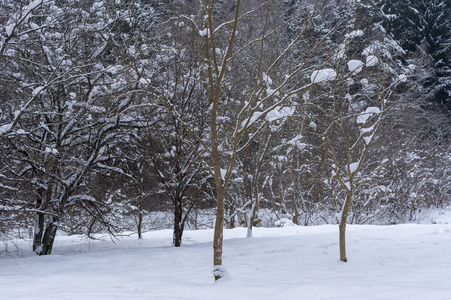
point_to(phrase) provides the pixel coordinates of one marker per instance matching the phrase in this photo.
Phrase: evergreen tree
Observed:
(436, 22)
(423, 29)
(402, 21)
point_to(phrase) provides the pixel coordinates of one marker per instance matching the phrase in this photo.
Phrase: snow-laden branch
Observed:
(17, 20)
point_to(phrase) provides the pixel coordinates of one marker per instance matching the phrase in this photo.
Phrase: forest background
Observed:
(117, 115)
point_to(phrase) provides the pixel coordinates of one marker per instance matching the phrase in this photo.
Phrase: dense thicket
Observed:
(317, 111)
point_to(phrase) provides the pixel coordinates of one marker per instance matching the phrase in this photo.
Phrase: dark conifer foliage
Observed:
(425, 27)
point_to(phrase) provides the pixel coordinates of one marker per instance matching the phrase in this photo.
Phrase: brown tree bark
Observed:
(342, 226)
(218, 234)
(216, 72)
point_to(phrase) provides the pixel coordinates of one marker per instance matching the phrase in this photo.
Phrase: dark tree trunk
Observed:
(140, 221)
(178, 223)
(49, 237)
(38, 227)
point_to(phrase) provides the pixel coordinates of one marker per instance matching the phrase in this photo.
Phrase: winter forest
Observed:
(136, 115)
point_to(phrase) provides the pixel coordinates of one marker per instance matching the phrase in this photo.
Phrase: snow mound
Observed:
(284, 222)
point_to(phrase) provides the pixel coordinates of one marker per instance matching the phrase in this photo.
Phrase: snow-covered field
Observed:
(385, 262)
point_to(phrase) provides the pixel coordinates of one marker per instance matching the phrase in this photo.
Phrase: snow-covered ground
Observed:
(410, 261)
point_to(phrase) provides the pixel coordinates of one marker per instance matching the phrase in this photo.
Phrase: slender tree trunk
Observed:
(412, 208)
(256, 204)
(342, 226)
(232, 214)
(195, 219)
(178, 225)
(254, 210)
(218, 271)
(216, 84)
(218, 234)
(140, 221)
(251, 220)
(294, 207)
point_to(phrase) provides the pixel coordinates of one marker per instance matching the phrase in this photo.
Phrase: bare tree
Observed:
(247, 84)
(261, 98)
(70, 121)
(353, 121)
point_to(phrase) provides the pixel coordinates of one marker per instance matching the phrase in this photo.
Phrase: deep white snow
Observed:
(293, 262)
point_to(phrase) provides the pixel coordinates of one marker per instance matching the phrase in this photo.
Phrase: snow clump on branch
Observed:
(323, 75)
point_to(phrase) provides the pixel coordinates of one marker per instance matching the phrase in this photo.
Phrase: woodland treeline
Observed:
(330, 110)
